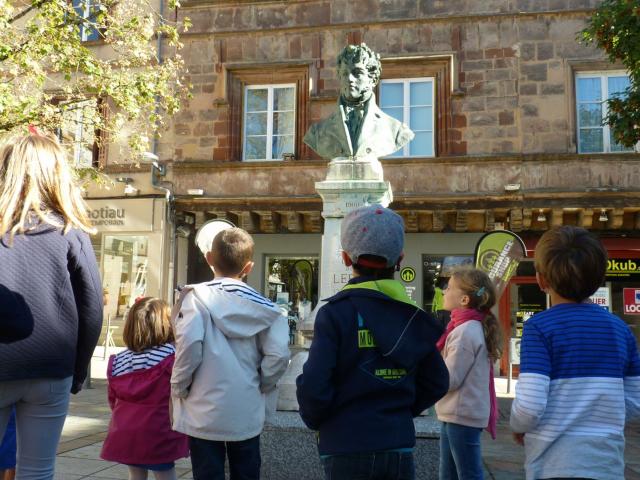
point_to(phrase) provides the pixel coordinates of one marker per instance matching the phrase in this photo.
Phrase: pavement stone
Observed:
(88, 420)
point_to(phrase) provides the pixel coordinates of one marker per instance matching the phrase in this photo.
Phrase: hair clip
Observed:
(480, 292)
(33, 130)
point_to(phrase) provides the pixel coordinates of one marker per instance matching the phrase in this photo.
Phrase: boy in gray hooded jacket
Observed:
(231, 349)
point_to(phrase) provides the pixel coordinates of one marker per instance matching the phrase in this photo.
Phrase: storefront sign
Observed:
(631, 298)
(602, 297)
(498, 253)
(121, 215)
(623, 268)
(408, 274)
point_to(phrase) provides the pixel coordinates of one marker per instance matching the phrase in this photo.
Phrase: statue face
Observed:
(355, 81)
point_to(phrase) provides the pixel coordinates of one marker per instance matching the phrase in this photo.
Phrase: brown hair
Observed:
(147, 325)
(35, 179)
(231, 250)
(572, 261)
(477, 285)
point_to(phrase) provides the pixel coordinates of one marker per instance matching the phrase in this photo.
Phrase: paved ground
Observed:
(86, 426)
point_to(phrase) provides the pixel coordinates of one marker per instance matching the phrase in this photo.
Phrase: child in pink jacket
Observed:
(140, 433)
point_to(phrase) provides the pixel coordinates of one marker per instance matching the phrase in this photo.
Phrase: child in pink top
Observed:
(470, 344)
(140, 433)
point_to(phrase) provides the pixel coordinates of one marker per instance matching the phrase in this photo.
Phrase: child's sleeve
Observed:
(632, 380)
(188, 326)
(432, 382)
(315, 388)
(532, 390)
(274, 345)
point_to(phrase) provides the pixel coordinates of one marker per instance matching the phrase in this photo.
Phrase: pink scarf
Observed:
(458, 317)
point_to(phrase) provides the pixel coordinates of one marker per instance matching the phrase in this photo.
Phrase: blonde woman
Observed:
(48, 263)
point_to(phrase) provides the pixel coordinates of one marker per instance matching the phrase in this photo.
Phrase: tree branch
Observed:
(36, 4)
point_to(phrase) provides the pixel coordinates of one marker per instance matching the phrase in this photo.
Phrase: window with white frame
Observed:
(411, 100)
(77, 132)
(86, 9)
(592, 92)
(269, 122)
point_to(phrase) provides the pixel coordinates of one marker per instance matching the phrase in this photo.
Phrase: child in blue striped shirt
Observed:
(579, 371)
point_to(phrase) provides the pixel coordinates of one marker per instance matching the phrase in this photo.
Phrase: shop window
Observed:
(436, 271)
(592, 92)
(124, 272)
(269, 122)
(292, 283)
(78, 134)
(268, 113)
(411, 100)
(418, 92)
(87, 10)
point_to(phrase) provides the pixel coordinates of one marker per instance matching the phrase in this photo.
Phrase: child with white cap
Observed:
(373, 364)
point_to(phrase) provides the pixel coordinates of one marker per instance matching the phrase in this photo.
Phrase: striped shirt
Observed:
(128, 361)
(241, 289)
(579, 379)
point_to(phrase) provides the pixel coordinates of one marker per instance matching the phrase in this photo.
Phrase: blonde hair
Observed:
(35, 179)
(147, 325)
(477, 285)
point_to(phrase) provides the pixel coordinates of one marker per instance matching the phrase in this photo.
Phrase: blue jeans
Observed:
(208, 457)
(41, 406)
(460, 456)
(370, 466)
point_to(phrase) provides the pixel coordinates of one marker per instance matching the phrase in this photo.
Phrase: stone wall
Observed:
(515, 62)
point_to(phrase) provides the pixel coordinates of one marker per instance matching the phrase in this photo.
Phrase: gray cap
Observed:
(373, 230)
(208, 231)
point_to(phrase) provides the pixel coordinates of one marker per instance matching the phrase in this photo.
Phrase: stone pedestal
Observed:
(350, 184)
(339, 197)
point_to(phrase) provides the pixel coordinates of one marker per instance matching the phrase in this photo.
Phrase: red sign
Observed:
(631, 300)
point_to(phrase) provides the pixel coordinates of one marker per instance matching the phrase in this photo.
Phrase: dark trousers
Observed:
(208, 457)
(370, 466)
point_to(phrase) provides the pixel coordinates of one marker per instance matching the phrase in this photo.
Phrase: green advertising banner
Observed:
(498, 253)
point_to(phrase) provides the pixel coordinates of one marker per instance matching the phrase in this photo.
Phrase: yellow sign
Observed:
(408, 274)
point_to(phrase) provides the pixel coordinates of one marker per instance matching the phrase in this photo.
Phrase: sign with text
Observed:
(602, 297)
(121, 215)
(498, 253)
(631, 299)
(628, 268)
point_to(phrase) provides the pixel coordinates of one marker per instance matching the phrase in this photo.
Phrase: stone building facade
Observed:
(505, 127)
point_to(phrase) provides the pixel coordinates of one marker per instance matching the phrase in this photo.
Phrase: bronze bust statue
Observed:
(358, 128)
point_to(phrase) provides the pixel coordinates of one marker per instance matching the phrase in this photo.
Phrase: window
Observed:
(78, 134)
(269, 122)
(420, 89)
(411, 100)
(268, 107)
(592, 92)
(87, 10)
(125, 259)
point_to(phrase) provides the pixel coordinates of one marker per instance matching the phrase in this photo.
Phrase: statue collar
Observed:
(357, 104)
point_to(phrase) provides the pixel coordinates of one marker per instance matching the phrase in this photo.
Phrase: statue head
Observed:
(358, 71)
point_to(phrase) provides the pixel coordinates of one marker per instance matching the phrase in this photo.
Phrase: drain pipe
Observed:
(160, 170)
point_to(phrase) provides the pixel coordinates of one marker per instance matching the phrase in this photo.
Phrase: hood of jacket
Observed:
(392, 318)
(235, 315)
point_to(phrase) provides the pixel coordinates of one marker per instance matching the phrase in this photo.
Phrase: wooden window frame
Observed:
(241, 77)
(270, 119)
(604, 76)
(99, 149)
(406, 111)
(440, 70)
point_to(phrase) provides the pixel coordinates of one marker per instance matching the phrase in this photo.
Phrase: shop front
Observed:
(130, 247)
(620, 294)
